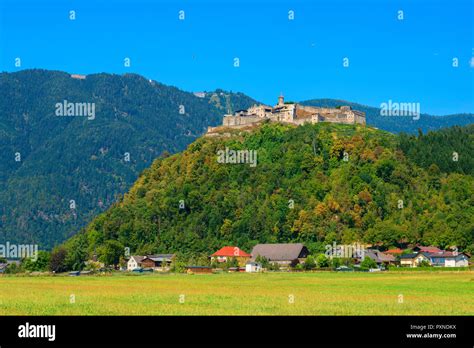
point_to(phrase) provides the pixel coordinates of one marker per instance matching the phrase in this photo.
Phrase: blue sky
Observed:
(407, 60)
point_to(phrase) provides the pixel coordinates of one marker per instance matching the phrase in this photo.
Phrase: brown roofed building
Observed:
(158, 262)
(379, 257)
(289, 254)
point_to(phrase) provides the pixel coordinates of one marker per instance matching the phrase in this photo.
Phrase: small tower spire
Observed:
(281, 99)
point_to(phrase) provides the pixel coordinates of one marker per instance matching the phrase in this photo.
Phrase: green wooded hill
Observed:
(314, 183)
(73, 158)
(48, 161)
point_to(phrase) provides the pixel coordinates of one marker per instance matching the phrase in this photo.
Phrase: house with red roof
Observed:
(427, 249)
(229, 252)
(396, 251)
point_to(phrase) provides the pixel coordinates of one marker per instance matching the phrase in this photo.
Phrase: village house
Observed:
(394, 252)
(413, 259)
(285, 255)
(449, 259)
(380, 258)
(160, 262)
(253, 267)
(135, 261)
(386, 259)
(227, 253)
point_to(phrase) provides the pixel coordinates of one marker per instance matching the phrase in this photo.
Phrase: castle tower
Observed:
(281, 100)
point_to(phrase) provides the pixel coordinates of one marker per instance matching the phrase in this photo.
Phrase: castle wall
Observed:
(326, 110)
(338, 120)
(294, 114)
(230, 121)
(310, 109)
(359, 117)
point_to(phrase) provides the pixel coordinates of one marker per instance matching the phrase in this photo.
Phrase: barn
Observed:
(285, 255)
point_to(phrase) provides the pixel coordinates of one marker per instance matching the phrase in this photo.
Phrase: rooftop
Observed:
(409, 256)
(428, 249)
(445, 254)
(394, 251)
(278, 252)
(231, 251)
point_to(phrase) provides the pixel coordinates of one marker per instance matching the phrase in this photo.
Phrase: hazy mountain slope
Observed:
(73, 158)
(396, 124)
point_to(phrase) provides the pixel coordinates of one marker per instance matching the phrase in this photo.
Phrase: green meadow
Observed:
(319, 293)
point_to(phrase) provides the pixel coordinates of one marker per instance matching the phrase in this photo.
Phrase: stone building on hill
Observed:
(292, 113)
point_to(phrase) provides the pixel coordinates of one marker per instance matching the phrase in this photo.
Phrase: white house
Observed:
(134, 262)
(449, 259)
(253, 267)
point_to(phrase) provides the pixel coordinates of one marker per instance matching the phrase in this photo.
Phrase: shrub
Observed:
(322, 261)
(57, 262)
(424, 263)
(309, 264)
(368, 263)
(336, 262)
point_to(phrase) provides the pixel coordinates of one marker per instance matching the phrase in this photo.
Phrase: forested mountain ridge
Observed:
(314, 184)
(229, 102)
(49, 161)
(57, 173)
(431, 150)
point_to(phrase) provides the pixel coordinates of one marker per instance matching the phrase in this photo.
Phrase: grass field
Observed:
(324, 293)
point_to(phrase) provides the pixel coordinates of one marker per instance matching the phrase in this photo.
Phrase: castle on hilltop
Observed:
(291, 113)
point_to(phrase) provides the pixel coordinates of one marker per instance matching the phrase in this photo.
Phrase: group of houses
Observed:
(415, 257)
(159, 262)
(285, 255)
(432, 256)
(288, 255)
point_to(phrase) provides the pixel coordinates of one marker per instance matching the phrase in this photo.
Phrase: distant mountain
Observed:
(48, 161)
(228, 102)
(397, 124)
